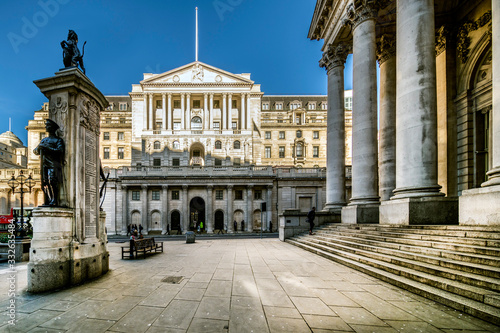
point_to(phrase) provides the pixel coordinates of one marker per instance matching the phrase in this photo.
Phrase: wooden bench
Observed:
(144, 246)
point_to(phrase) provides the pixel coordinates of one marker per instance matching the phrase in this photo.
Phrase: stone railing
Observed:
(6, 174)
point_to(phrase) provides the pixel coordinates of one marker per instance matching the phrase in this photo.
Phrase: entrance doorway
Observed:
(175, 220)
(219, 220)
(196, 213)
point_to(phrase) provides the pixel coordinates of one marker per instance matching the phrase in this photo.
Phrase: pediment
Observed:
(196, 73)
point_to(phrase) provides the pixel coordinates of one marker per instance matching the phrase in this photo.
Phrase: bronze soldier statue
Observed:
(51, 150)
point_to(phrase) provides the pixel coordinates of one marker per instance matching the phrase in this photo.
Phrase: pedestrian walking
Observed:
(128, 230)
(235, 226)
(242, 225)
(270, 226)
(310, 218)
(140, 229)
(168, 229)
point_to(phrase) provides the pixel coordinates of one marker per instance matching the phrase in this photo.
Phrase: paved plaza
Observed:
(230, 285)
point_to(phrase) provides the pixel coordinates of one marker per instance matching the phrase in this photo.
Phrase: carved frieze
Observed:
(463, 39)
(89, 114)
(386, 48)
(197, 73)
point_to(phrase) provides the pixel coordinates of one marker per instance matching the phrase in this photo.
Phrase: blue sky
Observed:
(126, 38)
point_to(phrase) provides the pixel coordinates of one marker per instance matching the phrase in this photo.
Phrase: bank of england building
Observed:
(200, 144)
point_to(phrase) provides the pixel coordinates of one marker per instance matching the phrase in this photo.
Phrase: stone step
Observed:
(404, 278)
(468, 231)
(424, 249)
(444, 241)
(474, 275)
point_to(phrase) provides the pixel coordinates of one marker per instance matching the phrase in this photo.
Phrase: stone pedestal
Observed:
(69, 244)
(22, 249)
(359, 214)
(419, 211)
(480, 206)
(190, 237)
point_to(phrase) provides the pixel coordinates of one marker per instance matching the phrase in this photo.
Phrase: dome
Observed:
(10, 138)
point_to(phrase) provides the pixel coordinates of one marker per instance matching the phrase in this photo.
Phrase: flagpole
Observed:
(196, 34)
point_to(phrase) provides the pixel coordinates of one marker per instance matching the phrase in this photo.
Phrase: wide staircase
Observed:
(458, 266)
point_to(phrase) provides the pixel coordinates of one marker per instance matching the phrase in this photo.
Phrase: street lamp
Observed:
(25, 186)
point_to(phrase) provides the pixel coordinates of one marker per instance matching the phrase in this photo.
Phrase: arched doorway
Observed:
(219, 220)
(136, 218)
(197, 154)
(155, 221)
(175, 220)
(257, 219)
(196, 213)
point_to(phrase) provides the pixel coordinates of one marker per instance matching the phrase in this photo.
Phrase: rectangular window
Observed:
(177, 104)
(236, 161)
(235, 125)
(316, 135)
(196, 104)
(315, 151)
(106, 153)
(136, 195)
(121, 153)
(268, 152)
(158, 125)
(105, 136)
(219, 194)
(158, 104)
(257, 195)
(324, 106)
(234, 104)
(155, 195)
(175, 195)
(108, 120)
(176, 162)
(268, 135)
(216, 125)
(121, 136)
(157, 162)
(216, 104)
(122, 120)
(218, 162)
(282, 151)
(281, 135)
(265, 106)
(238, 195)
(177, 126)
(123, 106)
(279, 106)
(312, 106)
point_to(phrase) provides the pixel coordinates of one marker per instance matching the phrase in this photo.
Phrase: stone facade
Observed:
(12, 152)
(200, 144)
(437, 136)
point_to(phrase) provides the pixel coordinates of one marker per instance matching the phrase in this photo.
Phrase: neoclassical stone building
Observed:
(198, 143)
(438, 147)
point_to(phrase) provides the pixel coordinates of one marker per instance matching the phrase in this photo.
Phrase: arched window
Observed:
(157, 145)
(218, 144)
(299, 133)
(299, 150)
(196, 123)
(176, 145)
(236, 145)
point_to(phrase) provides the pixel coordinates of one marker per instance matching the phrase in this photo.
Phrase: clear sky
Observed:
(126, 38)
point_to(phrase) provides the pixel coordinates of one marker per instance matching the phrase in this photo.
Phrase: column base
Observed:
(420, 211)
(359, 214)
(56, 259)
(479, 206)
(333, 207)
(494, 178)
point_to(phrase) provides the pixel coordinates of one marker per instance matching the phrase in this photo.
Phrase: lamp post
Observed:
(25, 185)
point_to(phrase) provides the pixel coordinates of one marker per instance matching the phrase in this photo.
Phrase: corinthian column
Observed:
(169, 112)
(164, 111)
(151, 112)
(205, 111)
(249, 114)
(209, 211)
(230, 112)
(182, 111)
(188, 111)
(386, 50)
(145, 112)
(144, 213)
(211, 110)
(333, 61)
(364, 201)
(224, 112)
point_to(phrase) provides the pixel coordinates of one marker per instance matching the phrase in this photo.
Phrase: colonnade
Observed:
(206, 110)
(394, 176)
(210, 206)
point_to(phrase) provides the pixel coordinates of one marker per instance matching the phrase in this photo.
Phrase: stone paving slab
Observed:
(229, 285)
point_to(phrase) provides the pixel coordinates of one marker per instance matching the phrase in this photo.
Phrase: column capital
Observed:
(144, 187)
(230, 187)
(150, 94)
(185, 187)
(205, 95)
(386, 48)
(183, 94)
(443, 35)
(124, 187)
(334, 56)
(164, 187)
(211, 94)
(250, 186)
(188, 94)
(270, 187)
(360, 12)
(169, 95)
(210, 187)
(224, 95)
(164, 94)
